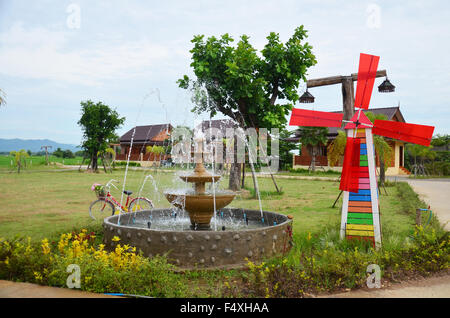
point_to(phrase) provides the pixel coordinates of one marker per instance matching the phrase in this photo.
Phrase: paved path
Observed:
(26, 290)
(436, 193)
(434, 287)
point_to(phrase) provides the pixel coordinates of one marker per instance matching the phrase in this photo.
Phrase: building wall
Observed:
(303, 161)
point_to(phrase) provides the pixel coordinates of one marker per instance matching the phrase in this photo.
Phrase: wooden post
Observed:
(418, 217)
(348, 99)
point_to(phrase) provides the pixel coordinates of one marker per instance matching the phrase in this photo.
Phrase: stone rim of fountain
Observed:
(189, 249)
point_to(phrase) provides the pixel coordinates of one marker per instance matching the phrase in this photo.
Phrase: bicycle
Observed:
(106, 203)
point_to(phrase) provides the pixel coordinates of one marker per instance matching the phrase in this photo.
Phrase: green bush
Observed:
(130, 164)
(328, 264)
(122, 270)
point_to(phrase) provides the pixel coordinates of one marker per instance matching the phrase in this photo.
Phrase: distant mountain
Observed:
(7, 145)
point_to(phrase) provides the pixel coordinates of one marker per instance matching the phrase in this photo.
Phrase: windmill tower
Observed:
(360, 217)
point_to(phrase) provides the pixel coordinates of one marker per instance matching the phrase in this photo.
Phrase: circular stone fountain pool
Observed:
(236, 234)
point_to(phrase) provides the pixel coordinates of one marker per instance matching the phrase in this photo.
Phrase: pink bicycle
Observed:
(106, 204)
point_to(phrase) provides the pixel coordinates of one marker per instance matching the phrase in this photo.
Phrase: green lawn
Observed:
(45, 204)
(37, 163)
(40, 204)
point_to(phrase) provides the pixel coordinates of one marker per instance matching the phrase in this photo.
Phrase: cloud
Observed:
(40, 53)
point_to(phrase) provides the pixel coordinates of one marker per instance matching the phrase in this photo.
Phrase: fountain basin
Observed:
(204, 249)
(200, 206)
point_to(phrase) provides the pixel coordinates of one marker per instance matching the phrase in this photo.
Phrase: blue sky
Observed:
(129, 54)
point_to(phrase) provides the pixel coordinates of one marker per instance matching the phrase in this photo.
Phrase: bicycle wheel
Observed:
(140, 204)
(100, 209)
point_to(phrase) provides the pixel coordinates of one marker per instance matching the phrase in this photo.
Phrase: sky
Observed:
(129, 55)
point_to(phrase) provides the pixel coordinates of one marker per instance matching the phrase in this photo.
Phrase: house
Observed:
(396, 167)
(144, 136)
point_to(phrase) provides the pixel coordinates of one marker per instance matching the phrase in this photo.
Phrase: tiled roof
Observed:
(144, 133)
(389, 112)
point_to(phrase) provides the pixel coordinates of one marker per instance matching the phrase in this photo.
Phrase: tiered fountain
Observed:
(189, 241)
(198, 203)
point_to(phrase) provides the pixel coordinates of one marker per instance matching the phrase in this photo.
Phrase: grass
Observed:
(37, 204)
(34, 163)
(45, 204)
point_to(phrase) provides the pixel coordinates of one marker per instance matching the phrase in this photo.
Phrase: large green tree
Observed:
(99, 123)
(255, 90)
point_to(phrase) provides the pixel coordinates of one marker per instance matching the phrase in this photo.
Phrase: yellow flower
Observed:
(45, 246)
(37, 276)
(116, 239)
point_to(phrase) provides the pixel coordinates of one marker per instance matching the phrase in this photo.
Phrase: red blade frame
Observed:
(314, 118)
(367, 71)
(350, 169)
(416, 134)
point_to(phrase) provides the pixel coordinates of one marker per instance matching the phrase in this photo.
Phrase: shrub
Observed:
(122, 270)
(124, 163)
(326, 263)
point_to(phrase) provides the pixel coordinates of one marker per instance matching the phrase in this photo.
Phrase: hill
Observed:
(7, 145)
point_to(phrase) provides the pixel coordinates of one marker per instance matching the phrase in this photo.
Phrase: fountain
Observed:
(189, 241)
(198, 203)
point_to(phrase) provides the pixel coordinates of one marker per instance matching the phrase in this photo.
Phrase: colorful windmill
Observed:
(360, 209)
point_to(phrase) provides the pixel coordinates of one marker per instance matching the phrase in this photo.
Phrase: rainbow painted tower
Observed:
(360, 210)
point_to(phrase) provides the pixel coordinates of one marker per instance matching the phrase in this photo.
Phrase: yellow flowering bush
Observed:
(122, 269)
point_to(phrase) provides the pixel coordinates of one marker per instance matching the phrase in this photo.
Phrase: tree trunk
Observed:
(235, 171)
(313, 159)
(243, 176)
(94, 162)
(235, 177)
(382, 172)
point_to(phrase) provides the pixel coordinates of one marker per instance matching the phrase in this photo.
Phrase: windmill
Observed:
(360, 217)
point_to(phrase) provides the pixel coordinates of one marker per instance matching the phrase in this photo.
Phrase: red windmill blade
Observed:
(314, 118)
(350, 168)
(413, 133)
(366, 78)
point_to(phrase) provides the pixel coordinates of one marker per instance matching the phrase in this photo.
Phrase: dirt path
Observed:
(434, 287)
(26, 290)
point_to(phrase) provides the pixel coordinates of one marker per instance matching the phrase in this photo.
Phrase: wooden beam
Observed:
(324, 81)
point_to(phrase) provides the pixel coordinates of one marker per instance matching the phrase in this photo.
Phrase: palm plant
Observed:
(19, 158)
(382, 148)
(313, 138)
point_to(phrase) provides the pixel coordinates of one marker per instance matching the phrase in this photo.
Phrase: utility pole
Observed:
(46, 153)
(348, 95)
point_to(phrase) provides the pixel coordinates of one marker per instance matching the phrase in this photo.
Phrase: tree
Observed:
(336, 149)
(19, 158)
(98, 122)
(285, 149)
(245, 86)
(313, 138)
(67, 154)
(423, 153)
(382, 149)
(58, 153)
